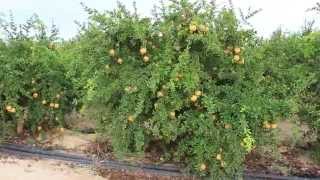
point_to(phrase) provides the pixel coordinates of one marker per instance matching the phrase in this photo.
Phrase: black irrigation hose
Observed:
(25, 154)
(38, 151)
(274, 177)
(22, 150)
(33, 151)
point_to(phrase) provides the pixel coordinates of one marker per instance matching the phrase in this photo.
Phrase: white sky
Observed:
(288, 14)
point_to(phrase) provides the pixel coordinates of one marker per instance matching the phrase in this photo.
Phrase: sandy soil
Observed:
(12, 168)
(70, 140)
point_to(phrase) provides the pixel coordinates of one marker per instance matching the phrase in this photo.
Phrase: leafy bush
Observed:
(34, 92)
(310, 106)
(293, 63)
(190, 80)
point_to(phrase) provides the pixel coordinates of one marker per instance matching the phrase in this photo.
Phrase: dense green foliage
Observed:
(34, 91)
(294, 67)
(192, 82)
(188, 79)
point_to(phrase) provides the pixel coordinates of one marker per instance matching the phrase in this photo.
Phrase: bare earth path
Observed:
(12, 168)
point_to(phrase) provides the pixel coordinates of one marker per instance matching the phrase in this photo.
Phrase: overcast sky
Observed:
(288, 14)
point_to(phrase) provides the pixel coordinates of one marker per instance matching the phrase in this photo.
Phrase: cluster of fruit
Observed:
(236, 52)
(35, 95)
(10, 109)
(194, 98)
(131, 89)
(268, 125)
(143, 53)
(112, 53)
(218, 157)
(194, 28)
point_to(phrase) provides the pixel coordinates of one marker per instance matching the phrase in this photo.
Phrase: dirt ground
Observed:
(12, 168)
(291, 158)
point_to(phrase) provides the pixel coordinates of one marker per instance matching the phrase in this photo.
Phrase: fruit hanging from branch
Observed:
(146, 59)
(130, 119)
(198, 93)
(56, 106)
(160, 94)
(203, 167)
(237, 50)
(194, 98)
(44, 102)
(112, 53)
(172, 115)
(143, 51)
(119, 61)
(35, 95)
(219, 157)
(193, 28)
(236, 58)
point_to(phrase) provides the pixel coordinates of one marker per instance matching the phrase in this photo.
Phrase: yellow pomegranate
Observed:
(119, 61)
(35, 95)
(39, 128)
(237, 50)
(58, 96)
(194, 98)
(56, 105)
(146, 59)
(130, 119)
(51, 105)
(44, 102)
(143, 51)
(219, 157)
(236, 58)
(192, 28)
(107, 66)
(112, 52)
(273, 126)
(203, 167)
(160, 94)
(173, 114)
(198, 93)
(8, 108)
